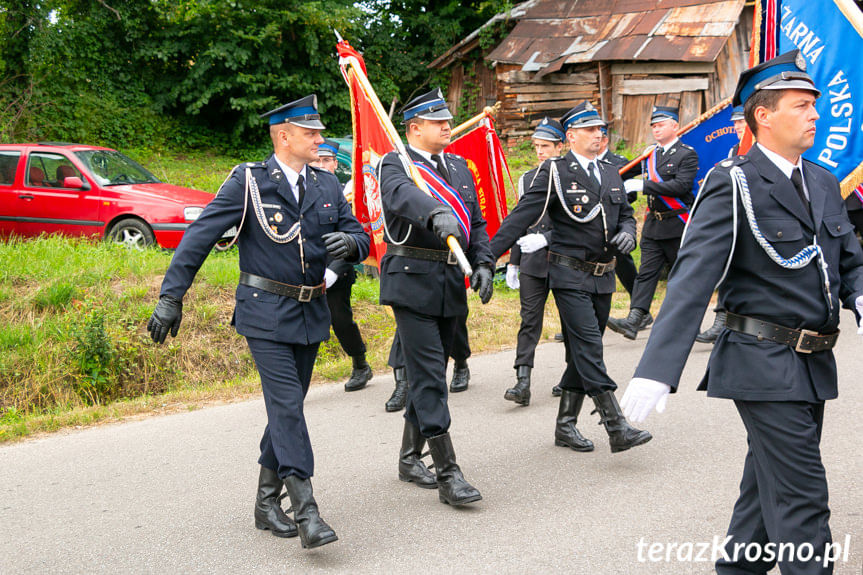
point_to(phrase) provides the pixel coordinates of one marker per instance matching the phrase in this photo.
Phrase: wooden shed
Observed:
(625, 56)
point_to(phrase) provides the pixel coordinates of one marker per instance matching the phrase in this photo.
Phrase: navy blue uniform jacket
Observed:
(741, 367)
(678, 168)
(433, 288)
(258, 313)
(582, 241)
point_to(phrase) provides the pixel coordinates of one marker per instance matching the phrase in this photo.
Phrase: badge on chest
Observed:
(578, 197)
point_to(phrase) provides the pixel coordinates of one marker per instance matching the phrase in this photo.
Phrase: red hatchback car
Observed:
(91, 191)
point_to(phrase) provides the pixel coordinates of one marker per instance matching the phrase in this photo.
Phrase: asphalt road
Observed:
(174, 494)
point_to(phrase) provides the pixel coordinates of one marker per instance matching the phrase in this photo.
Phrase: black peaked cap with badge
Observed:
(302, 113)
(663, 113)
(429, 106)
(550, 130)
(583, 115)
(784, 72)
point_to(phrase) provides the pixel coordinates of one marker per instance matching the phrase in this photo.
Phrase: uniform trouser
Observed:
(783, 492)
(426, 340)
(346, 329)
(655, 254)
(532, 294)
(626, 271)
(584, 316)
(459, 349)
(285, 370)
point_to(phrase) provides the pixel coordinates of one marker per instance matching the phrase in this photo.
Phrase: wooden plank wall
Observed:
(470, 76)
(525, 101)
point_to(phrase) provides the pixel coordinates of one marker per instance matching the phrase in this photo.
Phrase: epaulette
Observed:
(604, 161)
(687, 146)
(252, 165)
(730, 162)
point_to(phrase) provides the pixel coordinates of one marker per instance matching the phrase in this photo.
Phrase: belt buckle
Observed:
(305, 294)
(599, 269)
(450, 258)
(803, 334)
(658, 216)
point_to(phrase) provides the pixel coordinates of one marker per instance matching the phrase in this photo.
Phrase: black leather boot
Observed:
(453, 488)
(645, 323)
(314, 531)
(269, 514)
(397, 400)
(361, 374)
(628, 327)
(565, 433)
(710, 335)
(521, 392)
(411, 466)
(460, 377)
(556, 390)
(621, 435)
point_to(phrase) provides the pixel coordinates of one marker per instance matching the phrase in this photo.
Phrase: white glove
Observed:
(633, 185)
(512, 276)
(859, 304)
(348, 191)
(330, 277)
(531, 243)
(641, 396)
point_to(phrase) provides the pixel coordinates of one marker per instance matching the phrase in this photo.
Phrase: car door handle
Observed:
(25, 197)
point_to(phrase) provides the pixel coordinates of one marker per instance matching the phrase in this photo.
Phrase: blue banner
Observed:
(712, 139)
(832, 47)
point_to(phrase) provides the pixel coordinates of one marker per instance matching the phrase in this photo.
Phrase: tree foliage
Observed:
(199, 72)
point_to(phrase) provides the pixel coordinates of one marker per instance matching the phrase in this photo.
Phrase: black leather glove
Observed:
(445, 224)
(624, 242)
(631, 197)
(482, 282)
(166, 317)
(341, 246)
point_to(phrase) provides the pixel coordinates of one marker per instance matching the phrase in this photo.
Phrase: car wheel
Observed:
(132, 233)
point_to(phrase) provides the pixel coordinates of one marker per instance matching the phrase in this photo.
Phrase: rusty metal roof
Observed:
(552, 33)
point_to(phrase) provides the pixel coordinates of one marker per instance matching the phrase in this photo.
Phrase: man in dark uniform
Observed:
(671, 168)
(710, 334)
(340, 277)
(590, 217)
(625, 270)
(784, 265)
(527, 271)
(295, 219)
(425, 288)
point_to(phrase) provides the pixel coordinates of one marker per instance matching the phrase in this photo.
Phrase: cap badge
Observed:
(800, 61)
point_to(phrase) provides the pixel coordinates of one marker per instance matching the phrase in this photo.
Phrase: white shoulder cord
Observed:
(384, 216)
(293, 233)
(242, 220)
(597, 209)
(803, 258)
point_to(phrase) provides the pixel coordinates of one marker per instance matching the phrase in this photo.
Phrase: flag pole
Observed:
(488, 111)
(394, 137)
(703, 117)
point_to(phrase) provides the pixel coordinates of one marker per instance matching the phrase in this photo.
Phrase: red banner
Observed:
(371, 143)
(484, 154)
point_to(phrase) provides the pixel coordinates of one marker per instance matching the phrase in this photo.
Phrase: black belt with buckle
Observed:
(303, 294)
(802, 340)
(595, 268)
(669, 213)
(445, 256)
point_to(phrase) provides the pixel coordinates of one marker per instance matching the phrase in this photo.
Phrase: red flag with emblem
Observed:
(482, 149)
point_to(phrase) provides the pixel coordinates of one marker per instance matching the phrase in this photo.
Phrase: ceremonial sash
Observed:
(447, 195)
(858, 191)
(671, 203)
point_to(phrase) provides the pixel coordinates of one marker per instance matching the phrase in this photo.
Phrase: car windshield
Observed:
(112, 168)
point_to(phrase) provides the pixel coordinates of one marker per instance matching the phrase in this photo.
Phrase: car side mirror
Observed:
(74, 182)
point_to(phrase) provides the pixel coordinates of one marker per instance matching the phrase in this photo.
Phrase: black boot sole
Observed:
(417, 483)
(516, 399)
(282, 534)
(316, 544)
(584, 449)
(393, 409)
(631, 445)
(460, 502)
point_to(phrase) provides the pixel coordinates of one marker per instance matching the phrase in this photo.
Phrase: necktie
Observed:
(797, 180)
(591, 172)
(302, 191)
(441, 167)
